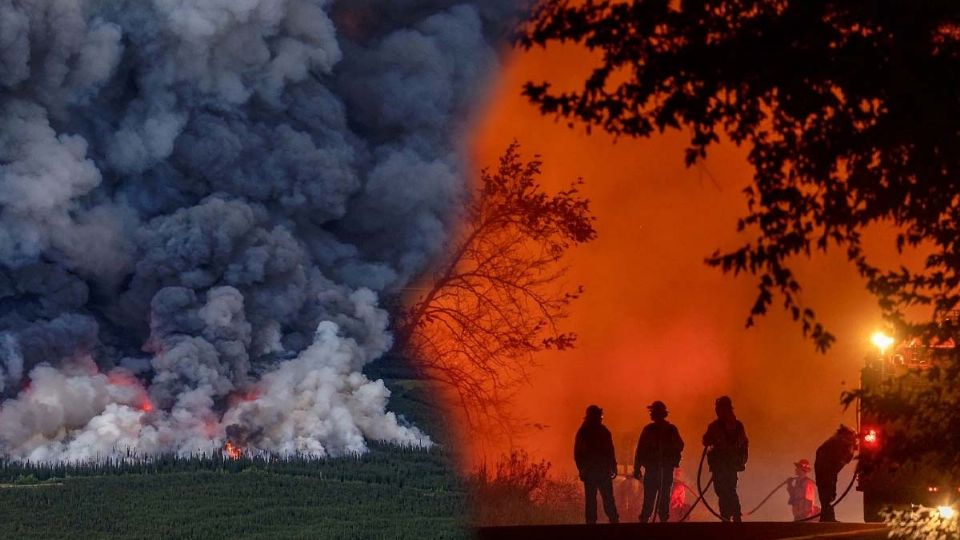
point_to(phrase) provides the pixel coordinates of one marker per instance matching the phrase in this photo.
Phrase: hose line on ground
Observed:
(767, 498)
(702, 491)
(696, 502)
(837, 500)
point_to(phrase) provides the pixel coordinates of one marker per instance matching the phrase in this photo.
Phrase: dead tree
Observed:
(497, 298)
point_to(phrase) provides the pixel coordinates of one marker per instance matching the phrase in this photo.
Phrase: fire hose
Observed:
(838, 499)
(689, 510)
(767, 498)
(696, 502)
(702, 491)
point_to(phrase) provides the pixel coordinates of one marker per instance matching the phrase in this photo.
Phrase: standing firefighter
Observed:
(727, 444)
(658, 452)
(832, 456)
(802, 490)
(597, 463)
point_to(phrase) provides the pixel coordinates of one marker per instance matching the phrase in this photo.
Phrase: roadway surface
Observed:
(692, 531)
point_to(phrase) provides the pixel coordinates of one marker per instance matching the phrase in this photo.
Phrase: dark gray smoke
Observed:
(201, 202)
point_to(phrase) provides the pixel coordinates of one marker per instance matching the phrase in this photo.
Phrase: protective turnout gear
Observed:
(727, 443)
(725, 486)
(801, 492)
(658, 452)
(660, 445)
(605, 488)
(596, 462)
(832, 456)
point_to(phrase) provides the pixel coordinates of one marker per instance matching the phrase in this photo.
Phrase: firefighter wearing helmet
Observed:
(832, 456)
(596, 461)
(802, 490)
(658, 453)
(727, 447)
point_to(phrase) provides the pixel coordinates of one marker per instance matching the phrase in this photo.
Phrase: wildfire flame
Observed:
(233, 451)
(243, 396)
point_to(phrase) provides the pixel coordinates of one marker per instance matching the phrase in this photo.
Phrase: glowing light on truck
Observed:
(871, 438)
(882, 341)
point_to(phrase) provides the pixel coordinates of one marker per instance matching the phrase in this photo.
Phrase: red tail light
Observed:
(870, 437)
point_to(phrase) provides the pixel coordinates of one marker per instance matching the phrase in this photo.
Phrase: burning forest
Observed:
(204, 204)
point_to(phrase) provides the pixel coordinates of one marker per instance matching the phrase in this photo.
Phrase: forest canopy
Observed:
(848, 111)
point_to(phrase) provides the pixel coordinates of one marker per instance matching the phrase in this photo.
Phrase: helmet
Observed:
(803, 465)
(657, 408)
(723, 402)
(594, 411)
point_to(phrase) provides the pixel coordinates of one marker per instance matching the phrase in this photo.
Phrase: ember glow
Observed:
(232, 451)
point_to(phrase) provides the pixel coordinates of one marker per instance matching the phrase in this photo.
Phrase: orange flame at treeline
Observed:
(232, 451)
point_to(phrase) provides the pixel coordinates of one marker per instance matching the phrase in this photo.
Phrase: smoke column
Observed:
(201, 202)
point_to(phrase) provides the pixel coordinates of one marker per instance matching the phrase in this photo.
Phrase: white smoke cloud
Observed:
(201, 202)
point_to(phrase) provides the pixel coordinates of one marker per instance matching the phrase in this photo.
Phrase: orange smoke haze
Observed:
(656, 322)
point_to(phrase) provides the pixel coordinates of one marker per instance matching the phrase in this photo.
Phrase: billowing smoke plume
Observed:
(201, 202)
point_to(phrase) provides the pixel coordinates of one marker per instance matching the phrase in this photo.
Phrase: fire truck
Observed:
(902, 366)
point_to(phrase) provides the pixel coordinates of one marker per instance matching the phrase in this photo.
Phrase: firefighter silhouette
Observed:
(658, 453)
(596, 462)
(831, 457)
(727, 447)
(801, 491)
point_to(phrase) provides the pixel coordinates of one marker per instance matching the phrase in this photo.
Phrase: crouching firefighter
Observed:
(596, 461)
(727, 447)
(832, 456)
(658, 452)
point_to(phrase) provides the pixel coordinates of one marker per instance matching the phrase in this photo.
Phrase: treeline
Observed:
(383, 463)
(388, 492)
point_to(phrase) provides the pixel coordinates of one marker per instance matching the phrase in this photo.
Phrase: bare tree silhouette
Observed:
(498, 298)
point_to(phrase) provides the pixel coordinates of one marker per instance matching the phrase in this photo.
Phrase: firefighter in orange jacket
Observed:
(802, 492)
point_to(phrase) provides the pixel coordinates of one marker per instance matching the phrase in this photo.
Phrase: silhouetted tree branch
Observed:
(849, 111)
(497, 298)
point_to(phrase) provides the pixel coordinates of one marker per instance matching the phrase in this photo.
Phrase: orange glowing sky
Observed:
(656, 322)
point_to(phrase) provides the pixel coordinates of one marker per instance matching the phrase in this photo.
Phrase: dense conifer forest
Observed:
(389, 492)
